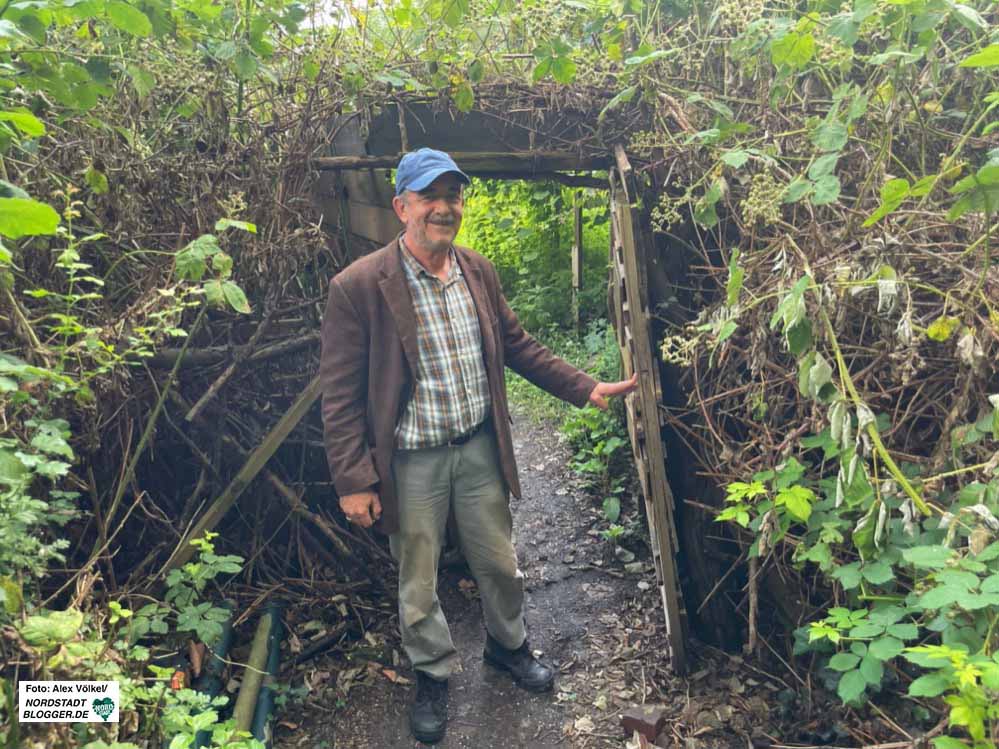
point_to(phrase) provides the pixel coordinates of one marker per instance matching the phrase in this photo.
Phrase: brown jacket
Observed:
(370, 355)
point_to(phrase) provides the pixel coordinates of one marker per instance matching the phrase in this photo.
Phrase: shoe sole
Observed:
(428, 738)
(537, 688)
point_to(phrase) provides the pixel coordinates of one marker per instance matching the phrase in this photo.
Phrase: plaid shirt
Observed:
(451, 393)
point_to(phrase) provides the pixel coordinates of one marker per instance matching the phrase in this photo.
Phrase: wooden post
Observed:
(577, 256)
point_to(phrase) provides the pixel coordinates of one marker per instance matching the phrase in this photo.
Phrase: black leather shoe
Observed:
(527, 671)
(428, 713)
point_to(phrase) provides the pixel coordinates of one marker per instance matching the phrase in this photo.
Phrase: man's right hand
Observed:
(362, 508)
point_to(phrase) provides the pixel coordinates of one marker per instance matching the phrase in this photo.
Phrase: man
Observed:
(415, 340)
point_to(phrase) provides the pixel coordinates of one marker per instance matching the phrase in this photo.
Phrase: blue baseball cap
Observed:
(417, 169)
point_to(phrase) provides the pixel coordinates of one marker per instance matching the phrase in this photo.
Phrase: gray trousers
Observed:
(430, 482)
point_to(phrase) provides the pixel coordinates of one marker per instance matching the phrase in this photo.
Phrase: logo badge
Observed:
(104, 707)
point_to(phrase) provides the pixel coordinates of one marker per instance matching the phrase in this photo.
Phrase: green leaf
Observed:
(843, 662)
(52, 444)
(928, 557)
(213, 293)
(226, 223)
(819, 375)
(96, 181)
(563, 70)
(793, 51)
(129, 19)
(872, 670)
(735, 276)
(245, 65)
(942, 328)
(735, 158)
(877, 573)
(799, 337)
(235, 296)
(929, 685)
(464, 98)
(986, 58)
(476, 71)
(11, 595)
(948, 742)
(797, 189)
(904, 631)
(939, 597)
(844, 28)
(24, 121)
(849, 575)
(23, 217)
(824, 165)
(885, 648)
(831, 135)
(798, 501)
(542, 69)
(851, 685)
(960, 579)
(969, 17)
(826, 190)
(143, 80)
(222, 264)
(12, 470)
(454, 12)
(867, 629)
(52, 628)
(612, 509)
(622, 97)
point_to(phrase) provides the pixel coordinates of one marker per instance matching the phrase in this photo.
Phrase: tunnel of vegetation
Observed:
(819, 187)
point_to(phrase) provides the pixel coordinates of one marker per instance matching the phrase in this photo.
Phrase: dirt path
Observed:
(598, 624)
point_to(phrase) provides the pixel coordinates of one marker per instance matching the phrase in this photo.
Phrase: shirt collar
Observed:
(415, 269)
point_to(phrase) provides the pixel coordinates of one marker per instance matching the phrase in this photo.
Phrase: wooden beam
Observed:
(577, 256)
(216, 354)
(569, 180)
(519, 162)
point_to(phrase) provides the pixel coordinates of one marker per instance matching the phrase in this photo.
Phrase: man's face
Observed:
(432, 216)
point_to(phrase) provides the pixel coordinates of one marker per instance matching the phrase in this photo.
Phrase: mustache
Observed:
(443, 220)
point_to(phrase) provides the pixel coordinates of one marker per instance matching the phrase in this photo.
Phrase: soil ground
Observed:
(598, 624)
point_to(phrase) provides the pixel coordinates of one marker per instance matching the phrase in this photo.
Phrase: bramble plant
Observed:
(108, 645)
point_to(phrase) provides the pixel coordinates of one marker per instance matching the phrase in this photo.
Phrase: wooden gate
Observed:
(630, 248)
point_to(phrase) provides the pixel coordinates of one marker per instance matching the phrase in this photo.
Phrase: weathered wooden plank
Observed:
(369, 186)
(481, 162)
(372, 222)
(628, 255)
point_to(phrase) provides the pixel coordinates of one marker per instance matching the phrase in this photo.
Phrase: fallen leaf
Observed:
(584, 725)
(468, 589)
(600, 702)
(394, 677)
(196, 654)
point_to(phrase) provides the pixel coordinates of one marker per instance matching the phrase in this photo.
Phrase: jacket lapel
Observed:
(473, 278)
(399, 301)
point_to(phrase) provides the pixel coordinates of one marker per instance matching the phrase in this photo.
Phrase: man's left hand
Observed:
(604, 390)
